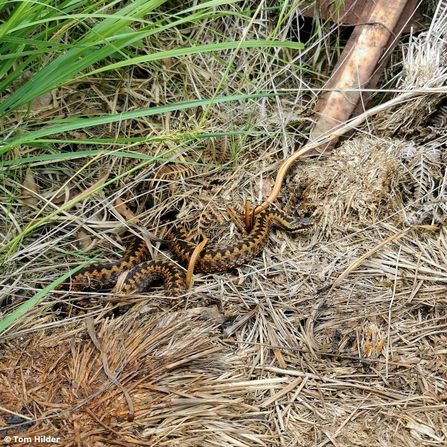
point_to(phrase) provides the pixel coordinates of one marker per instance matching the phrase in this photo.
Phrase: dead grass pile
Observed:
(153, 380)
(357, 185)
(284, 362)
(282, 359)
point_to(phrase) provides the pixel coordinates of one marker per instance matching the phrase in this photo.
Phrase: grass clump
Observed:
(176, 112)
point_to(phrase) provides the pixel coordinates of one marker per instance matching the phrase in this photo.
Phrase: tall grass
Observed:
(59, 45)
(48, 46)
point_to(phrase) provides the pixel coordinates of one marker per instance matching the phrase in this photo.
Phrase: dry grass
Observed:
(281, 359)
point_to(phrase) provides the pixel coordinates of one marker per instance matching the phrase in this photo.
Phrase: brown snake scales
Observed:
(142, 272)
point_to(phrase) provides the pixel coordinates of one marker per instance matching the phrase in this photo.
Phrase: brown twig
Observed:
(376, 248)
(235, 219)
(335, 133)
(193, 260)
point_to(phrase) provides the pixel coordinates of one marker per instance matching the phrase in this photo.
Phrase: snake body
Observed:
(213, 258)
(218, 258)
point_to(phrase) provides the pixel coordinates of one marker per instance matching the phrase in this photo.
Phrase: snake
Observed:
(143, 272)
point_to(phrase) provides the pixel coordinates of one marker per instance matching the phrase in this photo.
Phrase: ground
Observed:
(334, 336)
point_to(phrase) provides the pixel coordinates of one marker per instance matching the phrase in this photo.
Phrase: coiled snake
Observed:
(213, 258)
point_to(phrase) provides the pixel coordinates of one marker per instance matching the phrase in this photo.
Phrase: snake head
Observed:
(301, 224)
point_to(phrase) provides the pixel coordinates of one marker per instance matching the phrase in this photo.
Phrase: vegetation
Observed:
(68, 70)
(125, 117)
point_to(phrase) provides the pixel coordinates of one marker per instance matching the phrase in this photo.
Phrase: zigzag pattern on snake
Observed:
(213, 258)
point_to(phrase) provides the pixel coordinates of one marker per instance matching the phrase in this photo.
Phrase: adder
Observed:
(143, 272)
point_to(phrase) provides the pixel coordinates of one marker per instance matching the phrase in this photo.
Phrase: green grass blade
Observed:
(60, 126)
